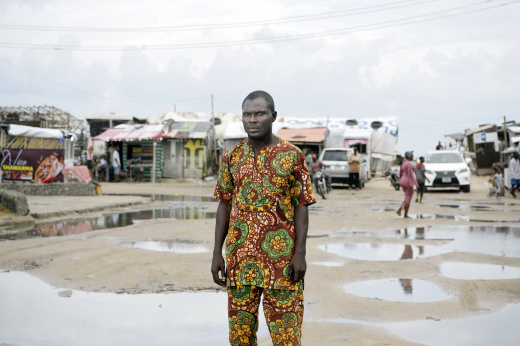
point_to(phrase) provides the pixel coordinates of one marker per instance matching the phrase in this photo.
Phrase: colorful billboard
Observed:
(32, 165)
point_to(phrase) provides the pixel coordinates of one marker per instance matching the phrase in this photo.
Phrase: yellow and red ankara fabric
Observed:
(263, 192)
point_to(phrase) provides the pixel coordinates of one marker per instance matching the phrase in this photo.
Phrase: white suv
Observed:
(447, 168)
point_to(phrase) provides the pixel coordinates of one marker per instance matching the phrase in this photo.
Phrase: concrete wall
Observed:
(14, 201)
(53, 189)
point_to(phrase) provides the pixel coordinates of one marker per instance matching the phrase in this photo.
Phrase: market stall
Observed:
(33, 154)
(137, 143)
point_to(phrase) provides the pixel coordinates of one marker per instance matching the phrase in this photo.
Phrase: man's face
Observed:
(257, 118)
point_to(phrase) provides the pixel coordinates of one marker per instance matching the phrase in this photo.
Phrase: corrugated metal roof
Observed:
(147, 132)
(109, 116)
(188, 129)
(309, 135)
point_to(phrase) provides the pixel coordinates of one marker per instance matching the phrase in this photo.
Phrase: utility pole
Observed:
(505, 133)
(214, 144)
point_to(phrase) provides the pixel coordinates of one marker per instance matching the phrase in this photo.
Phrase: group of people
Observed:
(411, 177)
(99, 168)
(354, 162)
(498, 180)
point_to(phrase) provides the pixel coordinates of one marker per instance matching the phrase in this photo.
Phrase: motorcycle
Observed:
(320, 182)
(394, 179)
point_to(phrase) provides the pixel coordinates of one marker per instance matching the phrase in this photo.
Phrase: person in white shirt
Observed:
(514, 173)
(101, 167)
(116, 163)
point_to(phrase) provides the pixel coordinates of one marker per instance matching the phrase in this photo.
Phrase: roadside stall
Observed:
(188, 149)
(33, 154)
(312, 138)
(137, 143)
(482, 147)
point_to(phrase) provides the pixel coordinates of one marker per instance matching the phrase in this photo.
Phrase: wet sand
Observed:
(96, 261)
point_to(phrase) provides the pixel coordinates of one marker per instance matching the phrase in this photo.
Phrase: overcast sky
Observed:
(439, 66)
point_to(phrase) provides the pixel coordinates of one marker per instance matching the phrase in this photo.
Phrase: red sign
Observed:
(32, 165)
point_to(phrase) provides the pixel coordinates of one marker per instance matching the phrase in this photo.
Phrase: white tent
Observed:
(28, 131)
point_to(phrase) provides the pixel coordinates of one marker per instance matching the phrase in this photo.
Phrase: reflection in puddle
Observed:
(397, 290)
(87, 224)
(165, 246)
(477, 271)
(35, 314)
(169, 198)
(489, 240)
(500, 328)
(498, 241)
(381, 252)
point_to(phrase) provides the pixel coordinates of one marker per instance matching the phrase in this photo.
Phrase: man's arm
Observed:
(218, 263)
(301, 226)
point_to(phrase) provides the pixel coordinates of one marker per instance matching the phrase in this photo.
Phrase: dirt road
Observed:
(352, 238)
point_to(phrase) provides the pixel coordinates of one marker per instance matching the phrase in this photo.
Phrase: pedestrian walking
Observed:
(264, 190)
(514, 173)
(407, 181)
(420, 176)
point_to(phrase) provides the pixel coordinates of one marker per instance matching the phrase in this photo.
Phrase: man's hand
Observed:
(299, 265)
(219, 265)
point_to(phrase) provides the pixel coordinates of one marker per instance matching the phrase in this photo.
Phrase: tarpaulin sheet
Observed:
(152, 132)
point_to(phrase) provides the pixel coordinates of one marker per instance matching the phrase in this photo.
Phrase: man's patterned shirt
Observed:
(263, 192)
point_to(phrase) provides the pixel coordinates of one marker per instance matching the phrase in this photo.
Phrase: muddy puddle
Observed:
(329, 264)
(498, 241)
(478, 271)
(36, 313)
(460, 218)
(397, 290)
(498, 328)
(84, 224)
(170, 198)
(175, 245)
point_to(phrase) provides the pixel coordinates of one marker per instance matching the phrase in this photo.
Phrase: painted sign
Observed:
(32, 165)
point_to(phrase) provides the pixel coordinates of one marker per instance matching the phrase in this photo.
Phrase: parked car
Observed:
(447, 168)
(336, 160)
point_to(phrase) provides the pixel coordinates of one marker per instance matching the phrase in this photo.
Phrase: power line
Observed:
(97, 95)
(303, 18)
(381, 25)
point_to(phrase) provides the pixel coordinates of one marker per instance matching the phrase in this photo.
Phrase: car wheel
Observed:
(465, 188)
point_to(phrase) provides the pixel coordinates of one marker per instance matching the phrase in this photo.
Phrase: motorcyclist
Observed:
(315, 166)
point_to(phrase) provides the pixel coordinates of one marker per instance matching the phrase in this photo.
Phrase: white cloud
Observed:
(437, 77)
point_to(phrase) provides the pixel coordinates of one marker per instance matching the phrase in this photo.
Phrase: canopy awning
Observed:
(150, 132)
(307, 135)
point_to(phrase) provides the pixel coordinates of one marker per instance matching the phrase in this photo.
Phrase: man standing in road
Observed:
(116, 163)
(514, 173)
(354, 166)
(264, 190)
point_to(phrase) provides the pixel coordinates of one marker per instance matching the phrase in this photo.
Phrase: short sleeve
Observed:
(300, 186)
(225, 184)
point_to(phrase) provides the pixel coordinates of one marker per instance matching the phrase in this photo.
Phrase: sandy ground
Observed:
(93, 262)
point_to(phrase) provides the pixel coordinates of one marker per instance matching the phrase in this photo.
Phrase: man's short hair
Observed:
(421, 158)
(260, 94)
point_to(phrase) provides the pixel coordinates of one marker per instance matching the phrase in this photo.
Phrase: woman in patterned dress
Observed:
(407, 181)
